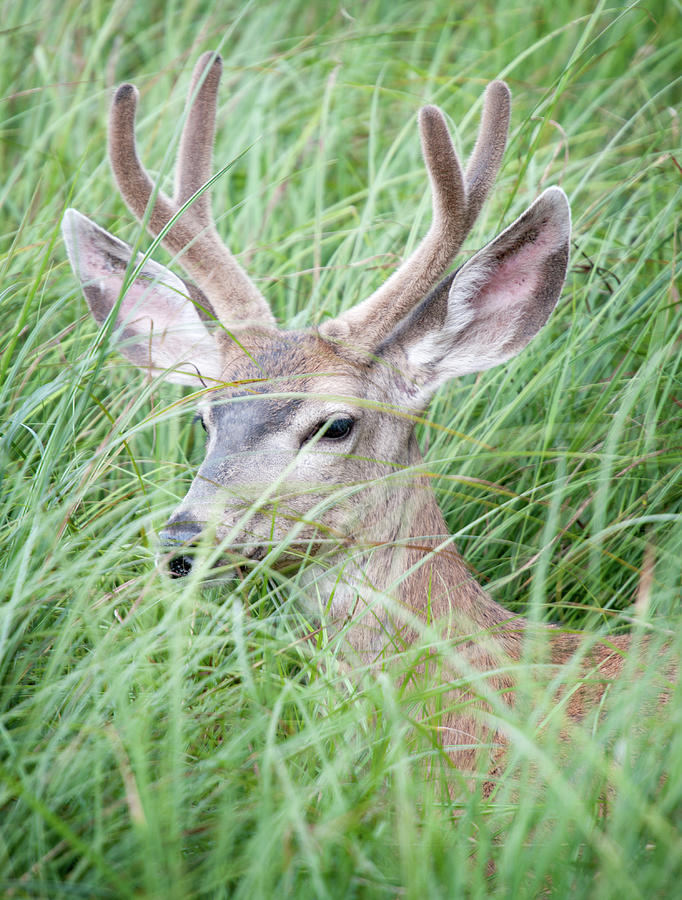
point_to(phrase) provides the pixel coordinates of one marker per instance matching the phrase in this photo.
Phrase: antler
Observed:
(193, 238)
(457, 201)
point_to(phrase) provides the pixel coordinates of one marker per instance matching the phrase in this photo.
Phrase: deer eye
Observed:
(199, 418)
(332, 429)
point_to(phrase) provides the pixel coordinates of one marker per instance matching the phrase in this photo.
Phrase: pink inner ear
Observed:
(165, 304)
(517, 278)
(156, 293)
(158, 325)
(158, 309)
(500, 298)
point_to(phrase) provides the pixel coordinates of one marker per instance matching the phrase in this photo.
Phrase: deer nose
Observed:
(180, 565)
(180, 535)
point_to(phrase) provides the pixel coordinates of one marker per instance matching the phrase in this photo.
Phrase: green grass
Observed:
(178, 743)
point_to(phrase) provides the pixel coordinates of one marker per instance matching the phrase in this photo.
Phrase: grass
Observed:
(158, 742)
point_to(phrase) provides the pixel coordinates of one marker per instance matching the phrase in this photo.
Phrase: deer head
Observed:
(308, 432)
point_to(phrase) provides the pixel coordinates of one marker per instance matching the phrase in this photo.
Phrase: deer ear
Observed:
(495, 304)
(159, 328)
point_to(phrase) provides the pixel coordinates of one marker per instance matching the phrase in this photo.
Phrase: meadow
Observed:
(167, 740)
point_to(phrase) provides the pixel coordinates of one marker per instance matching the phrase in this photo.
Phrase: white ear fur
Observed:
(159, 327)
(497, 301)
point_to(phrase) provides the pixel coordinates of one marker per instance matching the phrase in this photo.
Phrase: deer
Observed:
(312, 459)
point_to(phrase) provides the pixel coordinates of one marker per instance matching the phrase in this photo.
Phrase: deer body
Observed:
(311, 451)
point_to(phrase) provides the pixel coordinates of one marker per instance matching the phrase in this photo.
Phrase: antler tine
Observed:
(456, 203)
(486, 157)
(414, 278)
(134, 183)
(193, 166)
(193, 237)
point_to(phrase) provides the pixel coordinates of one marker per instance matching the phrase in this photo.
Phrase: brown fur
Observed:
(457, 201)
(193, 237)
(380, 568)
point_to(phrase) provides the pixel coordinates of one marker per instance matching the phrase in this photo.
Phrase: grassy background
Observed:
(162, 743)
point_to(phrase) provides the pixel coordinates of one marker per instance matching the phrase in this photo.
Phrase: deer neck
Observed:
(408, 585)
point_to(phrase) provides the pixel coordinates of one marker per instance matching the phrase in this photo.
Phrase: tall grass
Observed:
(179, 743)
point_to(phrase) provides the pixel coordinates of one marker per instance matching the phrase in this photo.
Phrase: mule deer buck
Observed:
(311, 446)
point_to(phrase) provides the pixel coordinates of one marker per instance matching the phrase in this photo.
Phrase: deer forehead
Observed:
(260, 355)
(280, 380)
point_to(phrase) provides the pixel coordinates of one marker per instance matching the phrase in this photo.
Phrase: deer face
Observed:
(299, 444)
(306, 429)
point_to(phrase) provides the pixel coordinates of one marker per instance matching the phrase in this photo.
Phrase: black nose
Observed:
(180, 535)
(179, 566)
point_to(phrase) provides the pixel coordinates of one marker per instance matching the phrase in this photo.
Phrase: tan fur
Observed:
(456, 204)
(193, 237)
(380, 569)
(441, 597)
